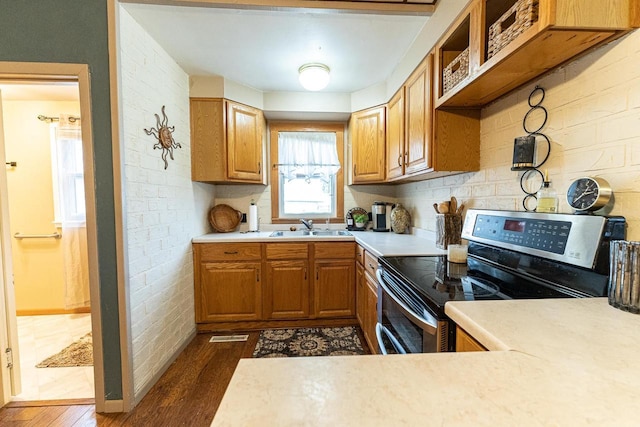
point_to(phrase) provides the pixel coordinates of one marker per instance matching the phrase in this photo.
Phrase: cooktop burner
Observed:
(438, 281)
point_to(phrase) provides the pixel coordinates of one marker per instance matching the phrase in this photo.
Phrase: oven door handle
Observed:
(381, 329)
(429, 324)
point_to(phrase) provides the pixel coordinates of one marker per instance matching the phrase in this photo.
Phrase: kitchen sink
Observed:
(310, 233)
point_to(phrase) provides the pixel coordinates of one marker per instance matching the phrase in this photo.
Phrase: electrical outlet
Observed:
(244, 217)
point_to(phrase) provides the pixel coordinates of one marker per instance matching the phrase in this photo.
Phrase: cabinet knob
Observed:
(400, 160)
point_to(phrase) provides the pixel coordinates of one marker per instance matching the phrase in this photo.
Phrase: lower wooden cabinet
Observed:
(360, 294)
(286, 294)
(229, 291)
(367, 298)
(264, 284)
(334, 291)
(371, 313)
(465, 342)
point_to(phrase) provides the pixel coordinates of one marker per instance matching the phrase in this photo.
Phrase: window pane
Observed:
(307, 196)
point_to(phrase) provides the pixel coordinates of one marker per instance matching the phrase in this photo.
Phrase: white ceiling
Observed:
(263, 49)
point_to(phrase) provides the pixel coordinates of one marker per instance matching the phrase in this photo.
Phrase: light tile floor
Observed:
(42, 336)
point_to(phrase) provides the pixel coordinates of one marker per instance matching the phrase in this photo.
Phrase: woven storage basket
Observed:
(525, 13)
(224, 218)
(456, 71)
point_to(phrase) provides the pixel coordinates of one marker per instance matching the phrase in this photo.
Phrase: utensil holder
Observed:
(624, 275)
(448, 230)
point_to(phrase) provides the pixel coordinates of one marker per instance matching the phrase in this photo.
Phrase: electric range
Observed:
(511, 255)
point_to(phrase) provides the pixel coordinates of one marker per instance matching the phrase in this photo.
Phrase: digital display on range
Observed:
(543, 234)
(512, 225)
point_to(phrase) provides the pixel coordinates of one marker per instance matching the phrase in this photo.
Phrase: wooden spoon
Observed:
(435, 206)
(453, 205)
(443, 207)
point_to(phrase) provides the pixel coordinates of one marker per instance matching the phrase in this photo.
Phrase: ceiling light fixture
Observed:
(314, 76)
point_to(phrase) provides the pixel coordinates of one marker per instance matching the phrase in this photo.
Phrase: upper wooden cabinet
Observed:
(409, 124)
(367, 130)
(227, 142)
(561, 30)
(425, 143)
(395, 136)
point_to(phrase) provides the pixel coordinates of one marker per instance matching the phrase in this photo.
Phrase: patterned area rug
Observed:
(79, 353)
(308, 342)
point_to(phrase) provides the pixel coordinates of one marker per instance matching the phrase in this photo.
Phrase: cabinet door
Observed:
(395, 136)
(360, 295)
(208, 162)
(244, 143)
(465, 342)
(287, 290)
(334, 288)
(229, 291)
(418, 118)
(371, 314)
(368, 145)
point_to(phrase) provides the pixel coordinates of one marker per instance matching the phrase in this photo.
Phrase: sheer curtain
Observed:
(70, 210)
(307, 154)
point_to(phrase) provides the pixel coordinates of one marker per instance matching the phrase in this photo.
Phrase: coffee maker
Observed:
(381, 216)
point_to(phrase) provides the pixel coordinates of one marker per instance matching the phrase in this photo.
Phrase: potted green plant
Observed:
(360, 220)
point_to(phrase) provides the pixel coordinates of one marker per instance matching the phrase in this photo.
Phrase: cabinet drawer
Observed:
(335, 250)
(229, 251)
(287, 250)
(370, 263)
(360, 254)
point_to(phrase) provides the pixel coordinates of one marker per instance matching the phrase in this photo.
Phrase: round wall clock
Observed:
(588, 194)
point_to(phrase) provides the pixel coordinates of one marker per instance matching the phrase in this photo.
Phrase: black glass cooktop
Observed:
(438, 281)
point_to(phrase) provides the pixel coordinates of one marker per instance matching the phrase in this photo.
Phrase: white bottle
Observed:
(547, 197)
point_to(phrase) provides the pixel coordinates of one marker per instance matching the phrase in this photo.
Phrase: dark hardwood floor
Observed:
(188, 394)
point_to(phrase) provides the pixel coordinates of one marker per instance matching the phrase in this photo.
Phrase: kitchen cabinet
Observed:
(425, 143)
(367, 297)
(563, 30)
(287, 290)
(227, 282)
(334, 279)
(465, 342)
(367, 130)
(228, 142)
(395, 136)
(264, 285)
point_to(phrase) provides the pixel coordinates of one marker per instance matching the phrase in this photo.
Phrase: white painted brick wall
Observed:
(594, 126)
(164, 208)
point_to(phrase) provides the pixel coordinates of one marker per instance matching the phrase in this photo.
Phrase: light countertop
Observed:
(380, 244)
(564, 362)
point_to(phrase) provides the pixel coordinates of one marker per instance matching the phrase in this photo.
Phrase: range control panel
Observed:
(572, 239)
(543, 234)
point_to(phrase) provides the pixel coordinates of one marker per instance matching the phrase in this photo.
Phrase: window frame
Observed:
(274, 128)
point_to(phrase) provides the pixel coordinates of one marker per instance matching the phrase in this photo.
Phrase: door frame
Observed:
(63, 72)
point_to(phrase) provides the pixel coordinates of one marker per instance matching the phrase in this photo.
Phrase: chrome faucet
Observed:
(307, 223)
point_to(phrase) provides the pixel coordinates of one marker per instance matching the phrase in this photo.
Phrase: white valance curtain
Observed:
(71, 213)
(307, 154)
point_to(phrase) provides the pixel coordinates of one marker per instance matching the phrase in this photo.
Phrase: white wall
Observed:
(594, 125)
(164, 208)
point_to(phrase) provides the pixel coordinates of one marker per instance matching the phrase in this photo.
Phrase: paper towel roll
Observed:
(253, 218)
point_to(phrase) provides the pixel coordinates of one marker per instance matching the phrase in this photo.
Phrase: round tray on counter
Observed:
(224, 219)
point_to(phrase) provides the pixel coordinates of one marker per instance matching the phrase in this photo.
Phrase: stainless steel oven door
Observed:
(405, 324)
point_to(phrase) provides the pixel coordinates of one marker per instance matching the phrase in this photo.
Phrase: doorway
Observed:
(47, 224)
(10, 384)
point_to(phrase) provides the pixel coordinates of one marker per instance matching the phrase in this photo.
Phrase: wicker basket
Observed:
(224, 218)
(523, 14)
(456, 71)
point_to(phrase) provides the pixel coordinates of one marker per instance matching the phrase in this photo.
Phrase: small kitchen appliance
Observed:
(381, 216)
(511, 255)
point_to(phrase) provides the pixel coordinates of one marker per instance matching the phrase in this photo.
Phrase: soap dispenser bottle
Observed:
(547, 197)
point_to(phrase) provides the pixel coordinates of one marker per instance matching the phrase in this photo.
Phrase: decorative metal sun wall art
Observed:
(162, 133)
